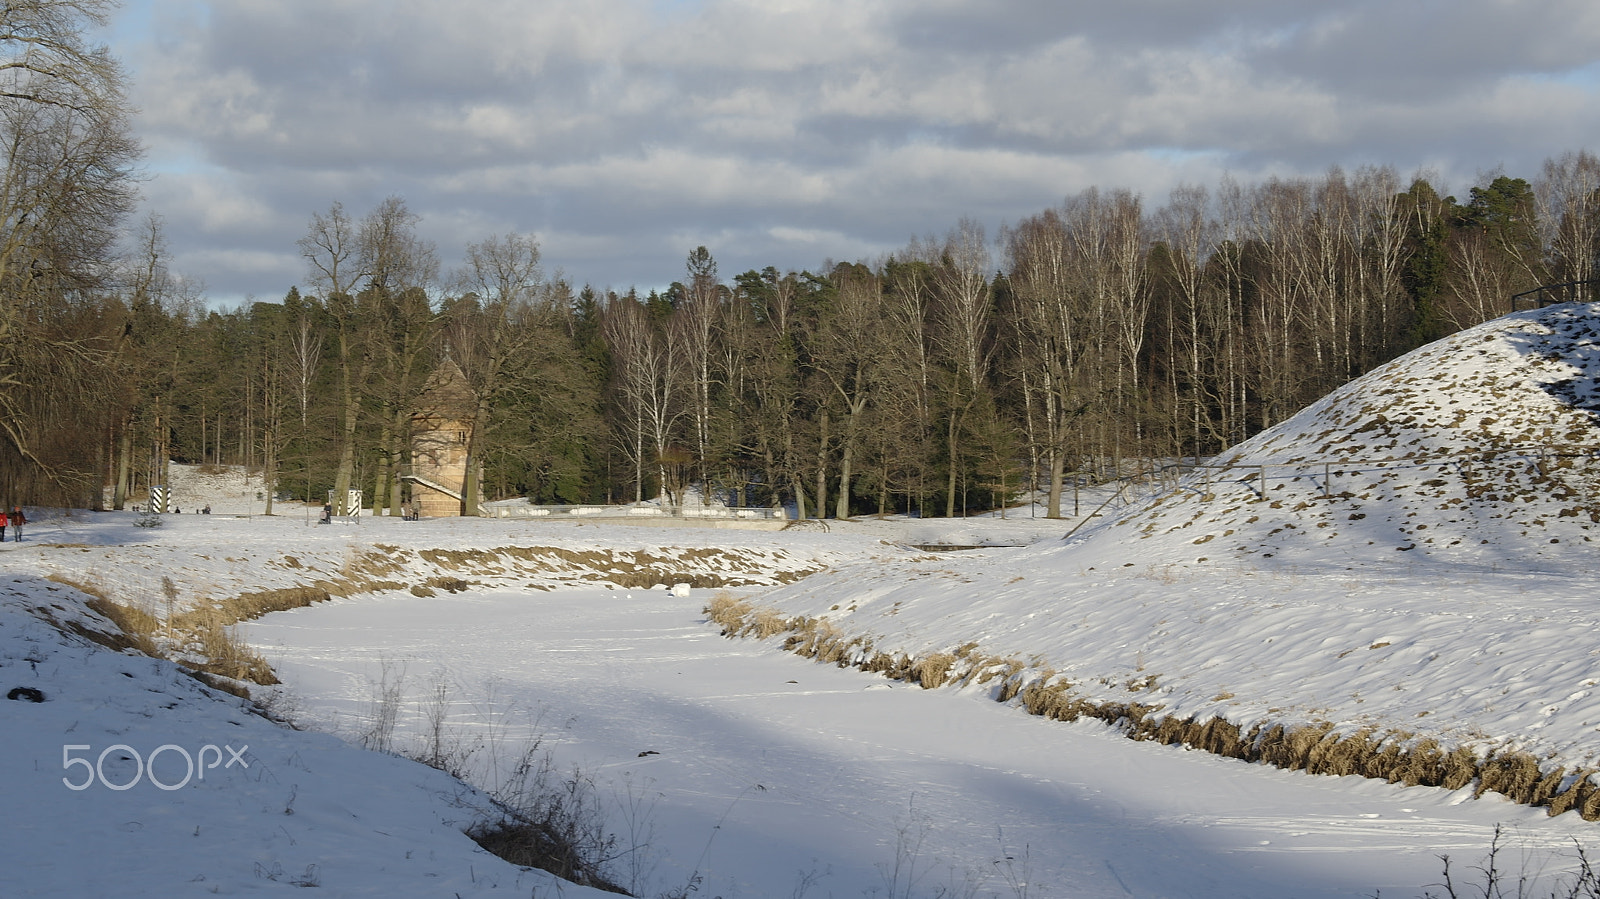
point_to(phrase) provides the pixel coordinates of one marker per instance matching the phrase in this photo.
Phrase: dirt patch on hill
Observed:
(699, 567)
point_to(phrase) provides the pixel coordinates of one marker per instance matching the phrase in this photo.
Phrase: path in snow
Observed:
(771, 767)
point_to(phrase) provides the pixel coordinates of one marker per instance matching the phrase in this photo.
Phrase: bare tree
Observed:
(66, 149)
(648, 389)
(1279, 211)
(1189, 233)
(305, 355)
(302, 361)
(1129, 294)
(1381, 237)
(1568, 194)
(490, 327)
(907, 416)
(694, 329)
(374, 277)
(1045, 320)
(401, 269)
(332, 250)
(848, 353)
(963, 324)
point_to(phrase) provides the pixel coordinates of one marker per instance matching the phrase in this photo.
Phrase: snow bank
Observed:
(132, 779)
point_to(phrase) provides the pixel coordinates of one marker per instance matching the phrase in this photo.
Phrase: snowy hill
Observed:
(1481, 448)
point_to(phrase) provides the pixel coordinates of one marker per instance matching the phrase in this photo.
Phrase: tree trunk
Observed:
(794, 475)
(381, 478)
(124, 463)
(950, 487)
(400, 442)
(269, 466)
(638, 461)
(822, 466)
(470, 480)
(347, 451)
(1058, 465)
(843, 508)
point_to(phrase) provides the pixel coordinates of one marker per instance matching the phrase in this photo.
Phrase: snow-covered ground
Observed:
(1409, 560)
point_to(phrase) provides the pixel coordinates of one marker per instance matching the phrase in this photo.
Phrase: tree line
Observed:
(951, 375)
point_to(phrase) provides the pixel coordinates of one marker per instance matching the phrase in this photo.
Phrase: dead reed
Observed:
(1314, 747)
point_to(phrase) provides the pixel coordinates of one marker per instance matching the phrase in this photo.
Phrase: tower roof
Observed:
(446, 394)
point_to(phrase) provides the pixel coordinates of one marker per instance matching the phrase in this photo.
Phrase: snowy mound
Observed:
(1518, 384)
(1480, 448)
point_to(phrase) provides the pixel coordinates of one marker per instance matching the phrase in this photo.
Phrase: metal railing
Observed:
(1552, 294)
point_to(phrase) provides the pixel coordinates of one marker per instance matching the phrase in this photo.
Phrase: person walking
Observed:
(17, 521)
(3, 523)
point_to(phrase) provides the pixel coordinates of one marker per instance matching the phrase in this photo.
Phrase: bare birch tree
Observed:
(1568, 194)
(647, 387)
(962, 317)
(1045, 321)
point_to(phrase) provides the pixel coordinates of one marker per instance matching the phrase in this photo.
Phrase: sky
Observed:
(623, 134)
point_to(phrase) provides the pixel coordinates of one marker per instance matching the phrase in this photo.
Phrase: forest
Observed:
(951, 376)
(943, 379)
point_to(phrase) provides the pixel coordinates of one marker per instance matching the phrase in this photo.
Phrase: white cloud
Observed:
(614, 128)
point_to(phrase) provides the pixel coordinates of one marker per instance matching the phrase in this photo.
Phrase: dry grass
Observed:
(703, 568)
(729, 611)
(739, 618)
(202, 640)
(135, 628)
(208, 633)
(1315, 747)
(250, 606)
(370, 565)
(933, 671)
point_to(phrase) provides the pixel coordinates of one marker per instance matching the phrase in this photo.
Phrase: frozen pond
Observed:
(769, 775)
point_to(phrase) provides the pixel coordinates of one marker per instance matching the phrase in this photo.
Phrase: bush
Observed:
(555, 824)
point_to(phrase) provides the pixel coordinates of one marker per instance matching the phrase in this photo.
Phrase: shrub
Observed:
(1532, 881)
(541, 820)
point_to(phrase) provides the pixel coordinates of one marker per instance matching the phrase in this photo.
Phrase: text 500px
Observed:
(194, 766)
